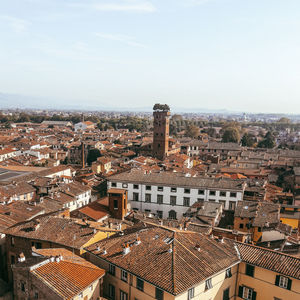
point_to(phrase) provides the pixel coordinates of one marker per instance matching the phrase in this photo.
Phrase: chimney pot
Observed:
(126, 249)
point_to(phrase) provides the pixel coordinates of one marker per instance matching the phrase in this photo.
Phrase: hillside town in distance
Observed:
(143, 206)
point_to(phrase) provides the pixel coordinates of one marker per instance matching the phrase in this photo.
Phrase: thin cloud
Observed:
(196, 2)
(141, 6)
(16, 24)
(120, 38)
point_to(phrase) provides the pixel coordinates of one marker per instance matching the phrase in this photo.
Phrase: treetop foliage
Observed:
(162, 107)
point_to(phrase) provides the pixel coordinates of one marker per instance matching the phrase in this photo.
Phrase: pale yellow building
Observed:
(265, 274)
(155, 262)
(101, 165)
(149, 262)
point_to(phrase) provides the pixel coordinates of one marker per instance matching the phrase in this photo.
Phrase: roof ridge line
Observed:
(266, 249)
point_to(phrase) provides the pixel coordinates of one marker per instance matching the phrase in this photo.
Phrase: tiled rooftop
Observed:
(151, 260)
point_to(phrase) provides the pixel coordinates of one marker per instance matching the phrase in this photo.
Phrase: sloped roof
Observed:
(173, 179)
(54, 229)
(268, 259)
(66, 278)
(173, 272)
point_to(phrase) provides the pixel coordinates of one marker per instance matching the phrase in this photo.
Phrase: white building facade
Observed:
(170, 199)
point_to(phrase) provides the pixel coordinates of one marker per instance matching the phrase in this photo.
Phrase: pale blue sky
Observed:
(239, 55)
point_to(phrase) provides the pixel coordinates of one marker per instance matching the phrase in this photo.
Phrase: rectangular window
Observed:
(208, 284)
(159, 294)
(232, 205)
(241, 226)
(228, 273)
(247, 293)
(136, 186)
(232, 195)
(222, 194)
(140, 284)
(148, 198)
(12, 241)
(160, 199)
(226, 294)
(160, 188)
(200, 192)
(212, 193)
(22, 286)
(124, 275)
(173, 200)
(191, 293)
(36, 295)
(250, 270)
(187, 191)
(113, 184)
(111, 292)
(115, 204)
(91, 287)
(159, 214)
(173, 189)
(135, 196)
(283, 282)
(186, 201)
(112, 269)
(123, 295)
(148, 187)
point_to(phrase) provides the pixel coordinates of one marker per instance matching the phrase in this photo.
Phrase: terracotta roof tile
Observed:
(68, 279)
(173, 272)
(271, 260)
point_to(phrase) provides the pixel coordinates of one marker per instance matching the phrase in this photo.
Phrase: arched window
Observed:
(172, 214)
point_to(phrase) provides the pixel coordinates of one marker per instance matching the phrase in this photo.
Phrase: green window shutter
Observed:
(240, 291)
(289, 284)
(254, 296)
(277, 280)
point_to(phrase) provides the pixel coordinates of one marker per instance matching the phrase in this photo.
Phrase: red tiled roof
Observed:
(66, 278)
(173, 272)
(271, 260)
(95, 210)
(66, 254)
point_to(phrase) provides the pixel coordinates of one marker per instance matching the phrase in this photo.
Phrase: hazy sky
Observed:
(239, 55)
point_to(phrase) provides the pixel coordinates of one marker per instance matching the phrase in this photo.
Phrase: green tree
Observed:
(210, 131)
(231, 135)
(23, 117)
(284, 120)
(268, 141)
(248, 140)
(93, 155)
(192, 131)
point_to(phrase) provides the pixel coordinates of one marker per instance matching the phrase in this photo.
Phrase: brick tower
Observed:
(117, 202)
(161, 114)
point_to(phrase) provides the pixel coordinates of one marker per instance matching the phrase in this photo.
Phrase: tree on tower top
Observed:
(161, 107)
